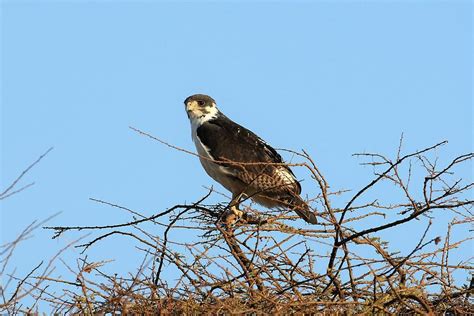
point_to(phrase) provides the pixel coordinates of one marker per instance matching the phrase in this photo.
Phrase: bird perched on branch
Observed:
(241, 161)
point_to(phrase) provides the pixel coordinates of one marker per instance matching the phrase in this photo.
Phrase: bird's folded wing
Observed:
(235, 147)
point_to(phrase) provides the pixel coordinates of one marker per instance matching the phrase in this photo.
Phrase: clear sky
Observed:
(334, 78)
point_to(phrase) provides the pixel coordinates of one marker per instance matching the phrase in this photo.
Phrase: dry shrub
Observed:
(266, 264)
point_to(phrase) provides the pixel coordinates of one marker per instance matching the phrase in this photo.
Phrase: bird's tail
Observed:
(302, 209)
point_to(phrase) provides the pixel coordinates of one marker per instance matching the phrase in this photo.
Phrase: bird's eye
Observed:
(201, 103)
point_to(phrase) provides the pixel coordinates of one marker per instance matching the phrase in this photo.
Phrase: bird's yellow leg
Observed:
(236, 211)
(234, 205)
(233, 214)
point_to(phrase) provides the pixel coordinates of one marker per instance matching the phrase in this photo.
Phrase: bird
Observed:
(241, 161)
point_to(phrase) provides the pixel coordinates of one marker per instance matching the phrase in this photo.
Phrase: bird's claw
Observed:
(233, 215)
(236, 211)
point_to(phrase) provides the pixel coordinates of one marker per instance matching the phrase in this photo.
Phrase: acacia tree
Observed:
(267, 264)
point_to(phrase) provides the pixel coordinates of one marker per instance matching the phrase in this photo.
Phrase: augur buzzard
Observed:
(241, 161)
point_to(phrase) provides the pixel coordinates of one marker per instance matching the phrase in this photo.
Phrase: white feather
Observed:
(287, 177)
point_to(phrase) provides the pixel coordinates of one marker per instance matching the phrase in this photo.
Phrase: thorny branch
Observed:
(277, 265)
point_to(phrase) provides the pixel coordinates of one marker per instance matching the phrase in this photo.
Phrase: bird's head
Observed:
(199, 106)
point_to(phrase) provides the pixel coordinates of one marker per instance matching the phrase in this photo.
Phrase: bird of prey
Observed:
(241, 161)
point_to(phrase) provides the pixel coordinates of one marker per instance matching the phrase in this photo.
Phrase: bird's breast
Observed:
(214, 170)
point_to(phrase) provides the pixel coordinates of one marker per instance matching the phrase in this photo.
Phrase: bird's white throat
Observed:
(199, 119)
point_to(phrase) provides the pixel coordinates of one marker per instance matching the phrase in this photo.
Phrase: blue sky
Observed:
(333, 78)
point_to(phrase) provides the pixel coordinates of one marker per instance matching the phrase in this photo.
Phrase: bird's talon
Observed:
(233, 215)
(237, 212)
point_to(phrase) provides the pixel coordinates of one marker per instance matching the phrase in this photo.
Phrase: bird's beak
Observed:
(191, 106)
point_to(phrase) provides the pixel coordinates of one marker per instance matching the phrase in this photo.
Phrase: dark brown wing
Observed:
(229, 141)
